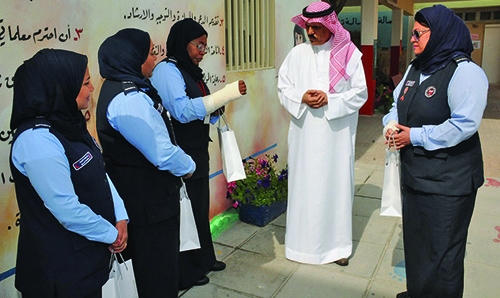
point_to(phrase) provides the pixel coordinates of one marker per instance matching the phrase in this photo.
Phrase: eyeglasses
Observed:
(199, 46)
(417, 33)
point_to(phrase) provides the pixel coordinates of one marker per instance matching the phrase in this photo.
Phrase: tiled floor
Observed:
(256, 266)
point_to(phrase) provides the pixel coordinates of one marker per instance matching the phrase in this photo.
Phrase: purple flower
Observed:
(266, 182)
(283, 174)
(263, 163)
(263, 182)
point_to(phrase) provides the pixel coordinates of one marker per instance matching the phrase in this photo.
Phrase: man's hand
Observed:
(315, 98)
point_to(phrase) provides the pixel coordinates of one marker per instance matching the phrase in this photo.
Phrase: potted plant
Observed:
(261, 197)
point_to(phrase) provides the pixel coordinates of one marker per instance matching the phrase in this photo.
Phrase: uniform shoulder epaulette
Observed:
(171, 59)
(41, 122)
(128, 87)
(459, 59)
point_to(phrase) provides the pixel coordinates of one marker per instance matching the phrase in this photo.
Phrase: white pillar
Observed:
(409, 52)
(396, 36)
(397, 27)
(369, 21)
(369, 26)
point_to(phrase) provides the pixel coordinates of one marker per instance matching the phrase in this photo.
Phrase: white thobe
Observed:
(320, 154)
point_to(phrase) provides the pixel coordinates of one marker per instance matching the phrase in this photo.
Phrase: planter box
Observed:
(261, 215)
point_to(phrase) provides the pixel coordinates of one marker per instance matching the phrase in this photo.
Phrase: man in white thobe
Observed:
(322, 85)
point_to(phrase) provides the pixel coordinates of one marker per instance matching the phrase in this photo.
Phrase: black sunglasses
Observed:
(417, 33)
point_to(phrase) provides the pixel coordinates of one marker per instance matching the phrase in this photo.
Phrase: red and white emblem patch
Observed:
(430, 91)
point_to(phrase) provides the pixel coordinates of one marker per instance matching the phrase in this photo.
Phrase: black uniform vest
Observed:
(47, 252)
(449, 171)
(193, 137)
(148, 193)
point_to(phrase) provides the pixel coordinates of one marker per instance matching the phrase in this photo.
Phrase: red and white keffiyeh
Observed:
(342, 49)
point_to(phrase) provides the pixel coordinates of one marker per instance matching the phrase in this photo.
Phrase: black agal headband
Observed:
(317, 14)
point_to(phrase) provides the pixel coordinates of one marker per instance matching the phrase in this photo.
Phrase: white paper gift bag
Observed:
(121, 283)
(232, 164)
(188, 233)
(391, 190)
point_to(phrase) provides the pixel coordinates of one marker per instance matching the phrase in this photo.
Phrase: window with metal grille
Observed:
(487, 15)
(484, 15)
(470, 16)
(249, 34)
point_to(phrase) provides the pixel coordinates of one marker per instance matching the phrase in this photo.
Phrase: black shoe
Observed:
(218, 266)
(202, 281)
(403, 295)
(342, 262)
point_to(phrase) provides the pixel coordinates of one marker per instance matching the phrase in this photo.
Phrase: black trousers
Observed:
(194, 264)
(96, 294)
(155, 255)
(435, 234)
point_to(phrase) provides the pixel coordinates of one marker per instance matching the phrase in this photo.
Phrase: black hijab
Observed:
(47, 86)
(180, 35)
(122, 55)
(449, 38)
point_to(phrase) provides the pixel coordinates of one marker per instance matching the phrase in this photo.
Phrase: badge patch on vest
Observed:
(430, 91)
(85, 159)
(410, 83)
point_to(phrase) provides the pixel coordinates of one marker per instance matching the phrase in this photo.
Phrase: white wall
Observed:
(491, 60)
(285, 10)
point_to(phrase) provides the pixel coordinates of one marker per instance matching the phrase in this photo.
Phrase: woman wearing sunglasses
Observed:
(434, 121)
